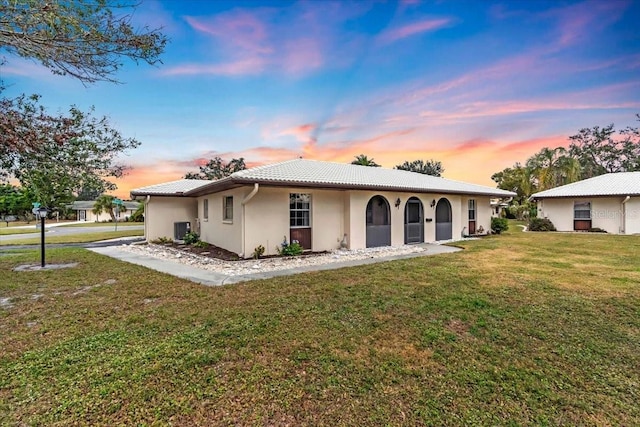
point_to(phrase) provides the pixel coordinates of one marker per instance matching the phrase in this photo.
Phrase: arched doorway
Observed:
(443, 220)
(378, 222)
(413, 221)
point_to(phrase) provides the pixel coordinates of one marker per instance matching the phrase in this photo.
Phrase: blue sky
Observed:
(476, 85)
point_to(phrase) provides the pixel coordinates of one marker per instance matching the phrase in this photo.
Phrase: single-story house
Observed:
(610, 202)
(84, 211)
(319, 204)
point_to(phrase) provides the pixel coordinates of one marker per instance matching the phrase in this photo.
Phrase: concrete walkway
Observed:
(211, 278)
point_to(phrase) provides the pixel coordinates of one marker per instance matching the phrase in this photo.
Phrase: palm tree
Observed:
(104, 203)
(363, 160)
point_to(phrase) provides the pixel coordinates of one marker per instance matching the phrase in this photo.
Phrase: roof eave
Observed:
(234, 182)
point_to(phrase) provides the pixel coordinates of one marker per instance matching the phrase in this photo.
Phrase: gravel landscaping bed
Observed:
(235, 268)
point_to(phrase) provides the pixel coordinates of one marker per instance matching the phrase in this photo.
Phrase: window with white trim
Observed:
(299, 210)
(472, 210)
(227, 208)
(582, 210)
(205, 209)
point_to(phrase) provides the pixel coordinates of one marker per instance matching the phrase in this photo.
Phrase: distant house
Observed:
(319, 204)
(610, 202)
(84, 211)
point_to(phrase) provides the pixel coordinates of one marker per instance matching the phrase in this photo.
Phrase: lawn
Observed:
(9, 231)
(103, 224)
(519, 329)
(74, 238)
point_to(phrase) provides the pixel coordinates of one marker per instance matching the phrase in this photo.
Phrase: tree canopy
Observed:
(592, 152)
(429, 167)
(363, 160)
(216, 168)
(86, 39)
(104, 203)
(52, 172)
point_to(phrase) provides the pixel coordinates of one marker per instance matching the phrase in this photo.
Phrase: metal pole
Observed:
(42, 241)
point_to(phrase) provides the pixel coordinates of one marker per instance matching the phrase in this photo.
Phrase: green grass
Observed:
(104, 224)
(74, 238)
(519, 329)
(9, 231)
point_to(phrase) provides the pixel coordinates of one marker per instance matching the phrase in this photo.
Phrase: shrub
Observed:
(191, 238)
(289, 249)
(200, 244)
(498, 225)
(541, 224)
(596, 230)
(162, 240)
(258, 252)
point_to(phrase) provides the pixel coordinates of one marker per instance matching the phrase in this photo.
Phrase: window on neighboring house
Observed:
(205, 209)
(227, 208)
(472, 210)
(582, 210)
(299, 210)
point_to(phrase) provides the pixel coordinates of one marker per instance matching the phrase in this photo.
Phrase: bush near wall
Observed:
(541, 224)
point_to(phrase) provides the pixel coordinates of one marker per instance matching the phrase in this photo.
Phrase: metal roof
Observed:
(611, 184)
(314, 173)
(173, 188)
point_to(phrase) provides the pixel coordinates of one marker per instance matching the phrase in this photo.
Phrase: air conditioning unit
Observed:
(180, 229)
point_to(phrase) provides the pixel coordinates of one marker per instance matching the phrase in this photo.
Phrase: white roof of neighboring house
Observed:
(173, 188)
(314, 173)
(89, 204)
(611, 184)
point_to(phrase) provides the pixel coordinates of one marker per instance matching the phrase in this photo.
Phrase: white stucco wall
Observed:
(484, 212)
(632, 211)
(161, 212)
(267, 219)
(264, 219)
(606, 213)
(224, 234)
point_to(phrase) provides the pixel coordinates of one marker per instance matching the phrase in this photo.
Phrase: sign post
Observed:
(42, 213)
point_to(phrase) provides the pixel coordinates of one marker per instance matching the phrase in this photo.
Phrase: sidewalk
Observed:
(211, 278)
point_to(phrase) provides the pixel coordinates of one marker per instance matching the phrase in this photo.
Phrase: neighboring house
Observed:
(610, 202)
(84, 211)
(319, 204)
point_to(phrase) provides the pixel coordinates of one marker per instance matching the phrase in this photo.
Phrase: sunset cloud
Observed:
(411, 29)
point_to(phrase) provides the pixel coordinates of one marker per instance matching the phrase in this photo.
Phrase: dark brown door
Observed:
(472, 227)
(302, 235)
(581, 224)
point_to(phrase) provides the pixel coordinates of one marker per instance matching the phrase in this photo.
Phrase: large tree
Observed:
(599, 151)
(363, 160)
(14, 201)
(429, 167)
(216, 168)
(55, 173)
(86, 39)
(592, 152)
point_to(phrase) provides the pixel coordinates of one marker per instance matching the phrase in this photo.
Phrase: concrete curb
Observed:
(211, 278)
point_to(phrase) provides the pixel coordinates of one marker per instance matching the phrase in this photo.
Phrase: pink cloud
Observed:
(426, 25)
(235, 30)
(240, 67)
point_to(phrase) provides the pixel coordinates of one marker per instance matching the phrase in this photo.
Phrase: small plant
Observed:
(597, 230)
(289, 249)
(162, 240)
(191, 238)
(200, 244)
(498, 225)
(541, 224)
(258, 252)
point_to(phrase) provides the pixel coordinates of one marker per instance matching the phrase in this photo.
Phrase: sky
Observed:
(477, 85)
